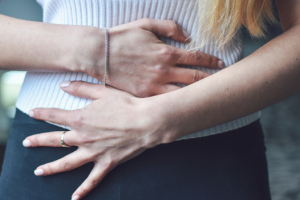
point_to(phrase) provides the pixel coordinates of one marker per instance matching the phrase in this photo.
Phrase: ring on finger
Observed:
(62, 137)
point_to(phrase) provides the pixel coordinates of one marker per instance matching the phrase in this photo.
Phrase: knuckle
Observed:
(51, 115)
(78, 120)
(161, 70)
(198, 57)
(95, 182)
(85, 138)
(49, 169)
(197, 76)
(77, 86)
(34, 141)
(53, 141)
(67, 166)
(166, 53)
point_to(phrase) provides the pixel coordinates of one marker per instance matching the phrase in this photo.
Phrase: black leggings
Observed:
(226, 166)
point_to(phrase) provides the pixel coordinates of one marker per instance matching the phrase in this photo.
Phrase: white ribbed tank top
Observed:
(41, 89)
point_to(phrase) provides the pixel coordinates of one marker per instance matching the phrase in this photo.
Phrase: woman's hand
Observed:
(140, 63)
(114, 128)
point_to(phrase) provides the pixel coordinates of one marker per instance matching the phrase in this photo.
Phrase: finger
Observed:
(186, 57)
(166, 28)
(50, 139)
(67, 163)
(54, 115)
(165, 89)
(84, 89)
(94, 178)
(186, 76)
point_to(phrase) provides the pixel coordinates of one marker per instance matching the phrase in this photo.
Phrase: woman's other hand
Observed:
(114, 128)
(140, 63)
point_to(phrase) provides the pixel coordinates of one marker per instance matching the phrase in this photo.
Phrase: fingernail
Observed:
(186, 35)
(221, 64)
(39, 172)
(75, 197)
(64, 84)
(31, 113)
(26, 143)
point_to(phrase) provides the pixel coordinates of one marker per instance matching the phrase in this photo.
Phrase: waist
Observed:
(42, 90)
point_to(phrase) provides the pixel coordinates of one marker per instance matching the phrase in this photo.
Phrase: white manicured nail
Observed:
(75, 197)
(221, 64)
(39, 172)
(26, 143)
(31, 113)
(64, 84)
(186, 35)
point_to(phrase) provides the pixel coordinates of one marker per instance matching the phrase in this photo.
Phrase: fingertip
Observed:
(39, 172)
(187, 39)
(26, 143)
(31, 113)
(35, 113)
(186, 36)
(64, 84)
(221, 64)
(76, 197)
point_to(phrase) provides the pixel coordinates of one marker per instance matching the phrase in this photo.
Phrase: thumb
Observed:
(83, 89)
(166, 28)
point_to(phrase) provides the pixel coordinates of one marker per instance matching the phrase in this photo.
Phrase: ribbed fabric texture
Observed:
(42, 89)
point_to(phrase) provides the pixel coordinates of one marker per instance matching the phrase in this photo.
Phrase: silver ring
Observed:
(63, 144)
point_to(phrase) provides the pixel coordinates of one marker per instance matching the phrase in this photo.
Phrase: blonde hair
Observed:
(223, 18)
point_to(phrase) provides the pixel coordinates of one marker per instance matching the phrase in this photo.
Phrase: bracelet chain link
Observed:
(106, 55)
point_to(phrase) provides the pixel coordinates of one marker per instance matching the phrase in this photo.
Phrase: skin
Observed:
(143, 70)
(265, 77)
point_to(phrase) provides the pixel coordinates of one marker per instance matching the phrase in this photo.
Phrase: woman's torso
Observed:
(42, 90)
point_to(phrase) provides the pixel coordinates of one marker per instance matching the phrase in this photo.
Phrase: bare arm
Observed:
(27, 45)
(269, 75)
(143, 70)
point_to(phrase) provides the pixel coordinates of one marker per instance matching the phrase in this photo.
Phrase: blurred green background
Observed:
(281, 122)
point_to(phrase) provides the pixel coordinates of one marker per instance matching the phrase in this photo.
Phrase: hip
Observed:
(231, 165)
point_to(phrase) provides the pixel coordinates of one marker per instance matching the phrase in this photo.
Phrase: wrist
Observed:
(88, 53)
(161, 119)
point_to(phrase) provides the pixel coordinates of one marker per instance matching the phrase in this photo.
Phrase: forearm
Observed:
(27, 45)
(262, 79)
